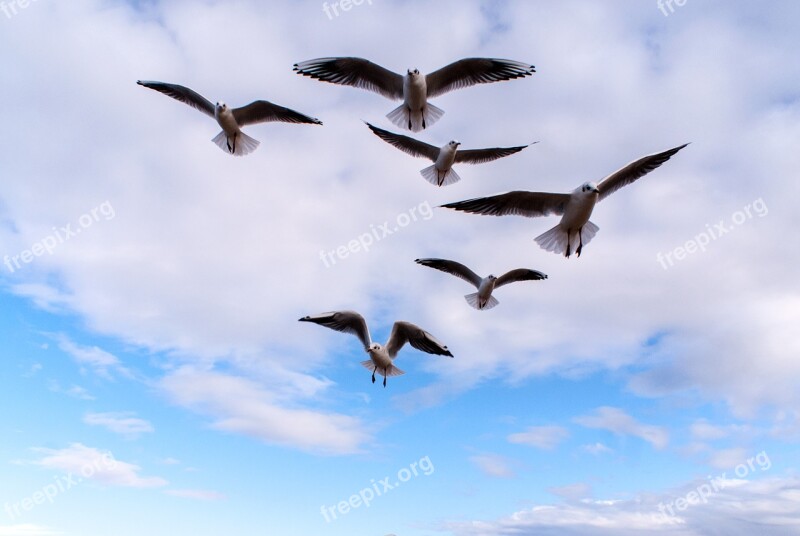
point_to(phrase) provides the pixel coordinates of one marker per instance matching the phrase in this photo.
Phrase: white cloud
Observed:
(96, 465)
(617, 421)
(597, 448)
(98, 360)
(75, 391)
(243, 406)
(493, 465)
(767, 507)
(124, 423)
(543, 437)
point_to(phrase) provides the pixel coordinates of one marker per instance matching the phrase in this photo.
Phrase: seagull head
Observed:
(590, 188)
(413, 73)
(374, 347)
(221, 106)
(454, 143)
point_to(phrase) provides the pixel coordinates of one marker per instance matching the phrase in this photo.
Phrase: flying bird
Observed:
(441, 173)
(482, 299)
(574, 208)
(232, 139)
(416, 113)
(380, 357)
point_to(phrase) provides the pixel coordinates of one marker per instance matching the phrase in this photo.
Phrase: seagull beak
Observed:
(596, 190)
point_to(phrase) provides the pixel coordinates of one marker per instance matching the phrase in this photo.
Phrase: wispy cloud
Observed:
(94, 358)
(96, 465)
(493, 465)
(543, 437)
(124, 423)
(617, 421)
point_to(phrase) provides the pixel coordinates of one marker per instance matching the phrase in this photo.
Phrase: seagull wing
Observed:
(406, 144)
(528, 204)
(635, 170)
(454, 268)
(520, 274)
(479, 156)
(356, 72)
(261, 111)
(183, 94)
(406, 332)
(471, 71)
(344, 321)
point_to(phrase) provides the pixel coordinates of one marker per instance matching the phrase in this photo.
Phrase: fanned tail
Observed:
(438, 177)
(239, 144)
(473, 300)
(417, 120)
(391, 370)
(557, 241)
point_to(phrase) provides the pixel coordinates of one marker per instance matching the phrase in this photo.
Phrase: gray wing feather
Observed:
(520, 274)
(261, 111)
(471, 71)
(344, 321)
(454, 268)
(356, 72)
(406, 144)
(479, 156)
(633, 171)
(406, 332)
(183, 94)
(519, 203)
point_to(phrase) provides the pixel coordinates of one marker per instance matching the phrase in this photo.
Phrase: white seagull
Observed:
(574, 208)
(441, 173)
(232, 139)
(416, 113)
(380, 357)
(482, 299)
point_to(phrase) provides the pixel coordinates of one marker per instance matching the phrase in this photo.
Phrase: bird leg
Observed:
(373, 373)
(569, 234)
(580, 242)
(231, 149)
(384, 381)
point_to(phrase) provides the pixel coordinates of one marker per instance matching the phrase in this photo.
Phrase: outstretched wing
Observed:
(454, 268)
(519, 203)
(471, 71)
(479, 156)
(520, 274)
(183, 94)
(344, 321)
(356, 72)
(406, 144)
(261, 111)
(406, 332)
(635, 170)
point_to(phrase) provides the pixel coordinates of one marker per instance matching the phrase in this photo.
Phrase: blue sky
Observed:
(156, 380)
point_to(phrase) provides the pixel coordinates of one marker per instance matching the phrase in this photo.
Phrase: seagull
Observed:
(574, 208)
(441, 173)
(380, 357)
(232, 139)
(482, 299)
(416, 113)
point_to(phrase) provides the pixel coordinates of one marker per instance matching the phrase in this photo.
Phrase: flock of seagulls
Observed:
(416, 113)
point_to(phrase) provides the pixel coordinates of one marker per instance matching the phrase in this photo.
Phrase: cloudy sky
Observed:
(156, 380)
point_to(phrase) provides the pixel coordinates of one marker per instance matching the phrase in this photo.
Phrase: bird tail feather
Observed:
(438, 177)
(391, 370)
(473, 300)
(238, 145)
(555, 239)
(417, 120)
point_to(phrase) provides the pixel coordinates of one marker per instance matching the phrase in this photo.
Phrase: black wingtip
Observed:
(304, 319)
